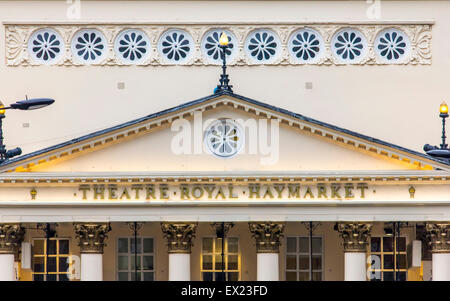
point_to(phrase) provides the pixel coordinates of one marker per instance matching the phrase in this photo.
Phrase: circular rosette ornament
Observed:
(46, 46)
(306, 45)
(89, 46)
(262, 46)
(224, 138)
(176, 46)
(392, 45)
(349, 46)
(211, 47)
(132, 46)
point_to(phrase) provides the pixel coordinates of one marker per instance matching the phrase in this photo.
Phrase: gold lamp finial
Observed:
(2, 111)
(443, 109)
(223, 39)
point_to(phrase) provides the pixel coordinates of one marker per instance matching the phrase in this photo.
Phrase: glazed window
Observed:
(383, 260)
(55, 266)
(211, 259)
(299, 261)
(127, 261)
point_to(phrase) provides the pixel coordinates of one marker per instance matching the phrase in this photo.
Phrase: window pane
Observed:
(375, 244)
(51, 277)
(123, 276)
(291, 262)
(291, 276)
(303, 261)
(317, 262)
(123, 245)
(401, 276)
(138, 246)
(39, 265)
(133, 276)
(317, 276)
(52, 247)
(388, 244)
(303, 244)
(148, 245)
(233, 276)
(291, 245)
(37, 277)
(51, 264)
(123, 263)
(207, 245)
(64, 246)
(388, 261)
(218, 264)
(207, 276)
(148, 276)
(401, 244)
(401, 261)
(388, 276)
(207, 262)
(148, 263)
(219, 276)
(232, 262)
(232, 245)
(317, 245)
(63, 277)
(218, 248)
(38, 247)
(303, 276)
(63, 264)
(132, 262)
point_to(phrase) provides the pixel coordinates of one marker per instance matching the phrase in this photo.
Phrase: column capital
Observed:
(179, 236)
(355, 235)
(267, 236)
(91, 236)
(11, 236)
(438, 234)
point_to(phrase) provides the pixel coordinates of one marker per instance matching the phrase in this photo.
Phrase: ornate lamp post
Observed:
(224, 80)
(28, 104)
(442, 152)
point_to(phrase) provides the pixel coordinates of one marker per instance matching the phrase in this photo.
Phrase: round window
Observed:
(224, 138)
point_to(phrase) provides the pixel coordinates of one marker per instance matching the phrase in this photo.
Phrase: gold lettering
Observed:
(349, 191)
(150, 191)
(220, 192)
(362, 187)
(99, 191)
(335, 191)
(230, 192)
(125, 194)
(294, 191)
(268, 193)
(136, 188)
(112, 192)
(209, 189)
(308, 192)
(84, 189)
(253, 191)
(279, 189)
(163, 192)
(197, 192)
(184, 192)
(321, 191)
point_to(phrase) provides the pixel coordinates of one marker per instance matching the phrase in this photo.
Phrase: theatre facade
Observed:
(167, 178)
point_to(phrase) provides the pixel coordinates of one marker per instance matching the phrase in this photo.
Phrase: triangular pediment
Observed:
(145, 145)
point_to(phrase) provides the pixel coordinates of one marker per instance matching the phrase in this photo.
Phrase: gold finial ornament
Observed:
(223, 39)
(2, 111)
(33, 193)
(443, 109)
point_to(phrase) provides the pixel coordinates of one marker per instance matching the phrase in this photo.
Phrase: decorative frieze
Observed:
(197, 44)
(179, 236)
(267, 236)
(439, 237)
(11, 236)
(91, 236)
(355, 235)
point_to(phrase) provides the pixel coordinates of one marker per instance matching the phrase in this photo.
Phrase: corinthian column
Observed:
(267, 236)
(11, 236)
(439, 240)
(91, 239)
(355, 237)
(179, 242)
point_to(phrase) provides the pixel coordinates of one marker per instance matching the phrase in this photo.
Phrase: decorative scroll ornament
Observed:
(194, 44)
(219, 227)
(355, 235)
(267, 236)
(439, 237)
(11, 236)
(179, 236)
(91, 237)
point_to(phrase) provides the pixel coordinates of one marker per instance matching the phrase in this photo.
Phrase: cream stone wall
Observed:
(395, 103)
